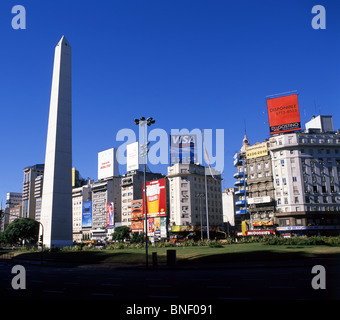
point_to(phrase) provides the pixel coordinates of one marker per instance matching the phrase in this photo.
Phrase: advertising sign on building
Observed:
(257, 150)
(156, 198)
(87, 214)
(258, 200)
(183, 148)
(132, 156)
(107, 164)
(137, 222)
(110, 214)
(137, 226)
(137, 209)
(283, 114)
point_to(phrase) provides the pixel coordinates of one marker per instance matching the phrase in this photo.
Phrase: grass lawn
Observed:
(188, 255)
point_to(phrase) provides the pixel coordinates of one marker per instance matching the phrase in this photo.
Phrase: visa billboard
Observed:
(183, 148)
(283, 114)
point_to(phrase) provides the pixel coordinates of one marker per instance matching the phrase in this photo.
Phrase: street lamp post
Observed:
(144, 152)
(200, 196)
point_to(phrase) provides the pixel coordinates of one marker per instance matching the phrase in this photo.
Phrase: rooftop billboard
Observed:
(107, 164)
(257, 150)
(283, 114)
(132, 156)
(183, 148)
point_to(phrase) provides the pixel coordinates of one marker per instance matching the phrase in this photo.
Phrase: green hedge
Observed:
(303, 241)
(271, 240)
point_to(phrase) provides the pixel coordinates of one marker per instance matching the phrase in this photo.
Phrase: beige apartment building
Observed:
(188, 186)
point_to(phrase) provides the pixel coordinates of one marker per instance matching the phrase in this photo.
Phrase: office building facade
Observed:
(104, 192)
(188, 186)
(132, 189)
(255, 203)
(13, 200)
(28, 190)
(79, 196)
(306, 172)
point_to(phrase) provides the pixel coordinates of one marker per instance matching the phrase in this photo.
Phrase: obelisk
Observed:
(56, 210)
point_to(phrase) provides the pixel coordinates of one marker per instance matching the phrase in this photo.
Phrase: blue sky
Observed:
(188, 64)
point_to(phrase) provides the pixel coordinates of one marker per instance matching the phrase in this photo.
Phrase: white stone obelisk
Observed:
(56, 210)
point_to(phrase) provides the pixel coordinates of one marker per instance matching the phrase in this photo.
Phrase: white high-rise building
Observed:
(187, 196)
(306, 174)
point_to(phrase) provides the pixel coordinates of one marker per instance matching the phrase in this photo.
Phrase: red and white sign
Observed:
(258, 233)
(283, 114)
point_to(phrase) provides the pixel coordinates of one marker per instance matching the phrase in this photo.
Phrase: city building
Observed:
(105, 193)
(79, 196)
(28, 190)
(255, 203)
(38, 189)
(13, 200)
(15, 212)
(306, 172)
(188, 186)
(132, 189)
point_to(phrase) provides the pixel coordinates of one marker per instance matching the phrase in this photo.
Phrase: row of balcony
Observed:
(238, 174)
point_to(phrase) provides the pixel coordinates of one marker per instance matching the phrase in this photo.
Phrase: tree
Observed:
(137, 237)
(121, 233)
(22, 229)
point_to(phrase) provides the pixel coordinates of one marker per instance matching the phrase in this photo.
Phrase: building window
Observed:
(284, 222)
(298, 222)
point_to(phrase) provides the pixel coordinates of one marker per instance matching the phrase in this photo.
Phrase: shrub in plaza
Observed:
(306, 241)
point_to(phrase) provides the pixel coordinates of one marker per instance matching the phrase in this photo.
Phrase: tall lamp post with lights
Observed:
(141, 122)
